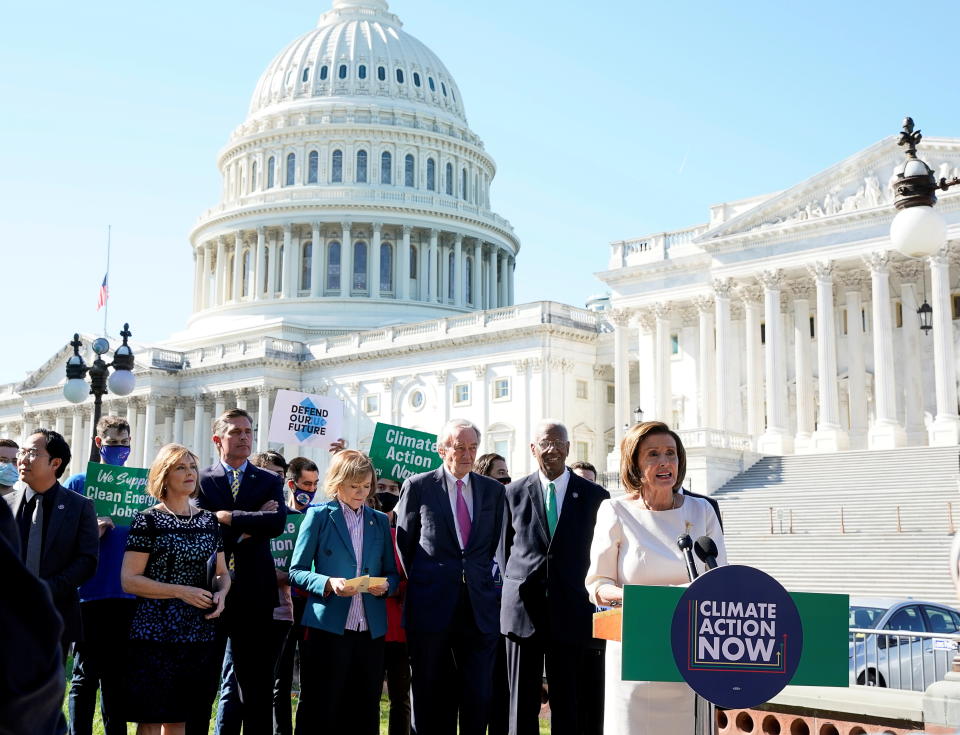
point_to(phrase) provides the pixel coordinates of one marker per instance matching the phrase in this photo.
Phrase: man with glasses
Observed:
(8, 466)
(545, 612)
(59, 542)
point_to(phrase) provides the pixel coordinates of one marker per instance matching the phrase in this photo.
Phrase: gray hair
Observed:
(545, 425)
(451, 427)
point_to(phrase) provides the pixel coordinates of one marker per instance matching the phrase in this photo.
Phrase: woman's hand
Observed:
(196, 597)
(219, 600)
(339, 587)
(609, 595)
(379, 590)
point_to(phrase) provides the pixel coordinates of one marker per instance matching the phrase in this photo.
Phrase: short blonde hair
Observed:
(346, 466)
(167, 458)
(630, 475)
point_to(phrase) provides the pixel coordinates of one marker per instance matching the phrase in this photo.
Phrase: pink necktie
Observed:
(463, 515)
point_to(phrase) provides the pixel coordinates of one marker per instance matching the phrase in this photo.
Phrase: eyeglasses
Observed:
(31, 453)
(551, 445)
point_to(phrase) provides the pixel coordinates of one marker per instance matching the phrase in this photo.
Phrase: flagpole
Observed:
(106, 304)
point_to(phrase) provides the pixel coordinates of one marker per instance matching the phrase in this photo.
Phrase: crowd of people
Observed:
(470, 593)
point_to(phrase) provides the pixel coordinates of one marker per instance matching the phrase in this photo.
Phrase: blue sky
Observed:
(607, 121)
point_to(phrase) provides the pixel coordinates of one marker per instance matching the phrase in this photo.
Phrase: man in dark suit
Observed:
(545, 612)
(248, 502)
(449, 524)
(59, 541)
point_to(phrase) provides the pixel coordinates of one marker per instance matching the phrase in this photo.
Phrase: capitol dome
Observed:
(354, 194)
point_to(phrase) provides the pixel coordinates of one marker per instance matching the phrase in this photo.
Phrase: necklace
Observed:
(177, 518)
(673, 503)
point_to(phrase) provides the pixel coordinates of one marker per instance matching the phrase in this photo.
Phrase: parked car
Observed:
(901, 662)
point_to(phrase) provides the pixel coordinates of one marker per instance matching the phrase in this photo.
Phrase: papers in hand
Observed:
(364, 583)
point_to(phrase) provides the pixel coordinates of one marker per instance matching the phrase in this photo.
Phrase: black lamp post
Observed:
(121, 382)
(637, 415)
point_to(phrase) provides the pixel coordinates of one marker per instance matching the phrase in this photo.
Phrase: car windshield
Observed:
(865, 617)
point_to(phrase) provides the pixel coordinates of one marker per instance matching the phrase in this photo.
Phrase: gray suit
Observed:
(71, 548)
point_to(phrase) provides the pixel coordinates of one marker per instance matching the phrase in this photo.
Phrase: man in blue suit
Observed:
(449, 524)
(248, 502)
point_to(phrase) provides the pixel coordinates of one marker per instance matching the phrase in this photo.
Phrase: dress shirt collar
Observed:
(559, 485)
(347, 510)
(229, 470)
(451, 481)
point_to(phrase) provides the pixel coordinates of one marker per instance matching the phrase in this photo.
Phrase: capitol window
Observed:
(386, 166)
(362, 71)
(582, 389)
(463, 184)
(306, 75)
(306, 265)
(675, 345)
(386, 267)
(451, 269)
(413, 261)
(443, 87)
(313, 167)
(399, 76)
(278, 285)
(371, 404)
(433, 86)
(291, 168)
(336, 171)
(468, 279)
(253, 176)
(611, 394)
(501, 389)
(408, 171)
(583, 451)
(270, 172)
(461, 394)
(361, 167)
(382, 73)
(417, 399)
(416, 79)
(333, 266)
(342, 73)
(431, 174)
(323, 73)
(449, 179)
(359, 266)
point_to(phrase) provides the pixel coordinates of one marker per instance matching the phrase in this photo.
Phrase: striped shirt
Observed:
(356, 620)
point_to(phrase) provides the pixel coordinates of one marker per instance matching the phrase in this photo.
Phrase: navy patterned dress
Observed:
(171, 666)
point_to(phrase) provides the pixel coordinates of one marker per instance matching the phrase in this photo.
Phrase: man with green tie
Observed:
(545, 613)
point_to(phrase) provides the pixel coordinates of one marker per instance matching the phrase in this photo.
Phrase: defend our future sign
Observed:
(303, 418)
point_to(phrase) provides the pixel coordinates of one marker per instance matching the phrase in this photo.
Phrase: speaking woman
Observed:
(635, 542)
(341, 662)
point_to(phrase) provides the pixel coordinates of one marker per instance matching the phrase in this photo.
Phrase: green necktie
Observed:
(235, 483)
(552, 515)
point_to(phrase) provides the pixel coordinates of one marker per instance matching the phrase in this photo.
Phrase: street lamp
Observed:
(120, 382)
(637, 415)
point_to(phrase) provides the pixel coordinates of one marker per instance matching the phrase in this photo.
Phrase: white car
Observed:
(901, 662)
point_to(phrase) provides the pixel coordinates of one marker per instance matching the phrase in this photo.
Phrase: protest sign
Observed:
(302, 418)
(282, 546)
(398, 453)
(118, 492)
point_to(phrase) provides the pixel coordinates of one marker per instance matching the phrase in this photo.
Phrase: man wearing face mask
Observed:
(104, 607)
(8, 465)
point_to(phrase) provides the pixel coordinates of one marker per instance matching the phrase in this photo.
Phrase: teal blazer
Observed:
(324, 550)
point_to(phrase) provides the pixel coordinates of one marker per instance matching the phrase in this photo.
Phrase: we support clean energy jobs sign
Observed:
(302, 418)
(118, 492)
(282, 546)
(398, 453)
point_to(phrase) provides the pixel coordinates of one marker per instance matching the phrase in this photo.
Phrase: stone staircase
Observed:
(843, 511)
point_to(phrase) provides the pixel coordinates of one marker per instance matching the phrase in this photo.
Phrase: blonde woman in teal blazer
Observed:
(341, 662)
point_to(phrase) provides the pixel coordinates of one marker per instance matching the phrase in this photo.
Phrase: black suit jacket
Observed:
(712, 501)
(254, 579)
(431, 556)
(71, 549)
(543, 589)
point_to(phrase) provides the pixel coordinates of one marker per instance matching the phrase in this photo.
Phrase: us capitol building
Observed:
(354, 253)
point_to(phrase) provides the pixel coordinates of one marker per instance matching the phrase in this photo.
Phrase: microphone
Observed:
(707, 551)
(685, 544)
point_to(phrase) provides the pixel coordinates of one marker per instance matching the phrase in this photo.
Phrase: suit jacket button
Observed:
(549, 556)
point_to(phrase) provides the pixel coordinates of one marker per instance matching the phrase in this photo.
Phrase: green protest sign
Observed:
(398, 453)
(118, 492)
(282, 546)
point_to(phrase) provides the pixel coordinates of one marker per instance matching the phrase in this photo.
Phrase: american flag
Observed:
(104, 293)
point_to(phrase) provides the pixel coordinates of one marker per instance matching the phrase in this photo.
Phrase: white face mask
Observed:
(9, 473)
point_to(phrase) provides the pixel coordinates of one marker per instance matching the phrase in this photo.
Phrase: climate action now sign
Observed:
(118, 492)
(398, 453)
(282, 546)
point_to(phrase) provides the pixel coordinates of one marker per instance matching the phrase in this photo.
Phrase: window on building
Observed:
(582, 389)
(416, 79)
(763, 333)
(417, 399)
(382, 73)
(463, 184)
(431, 174)
(359, 266)
(291, 169)
(844, 321)
(253, 176)
(278, 284)
(583, 451)
(265, 280)
(461, 394)
(501, 447)
(386, 267)
(449, 179)
(306, 265)
(306, 75)
(336, 170)
(270, 172)
(313, 167)
(443, 88)
(451, 272)
(399, 76)
(324, 71)
(813, 328)
(361, 167)
(468, 279)
(333, 266)
(362, 71)
(674, 343)
(386, 168)
(413, 261)
(955, 301)
(342, 72)
(247, 273)
(898, 314)
(371, 404)
(611, 394)
(408, 170)
(433, 86)
(501, 389)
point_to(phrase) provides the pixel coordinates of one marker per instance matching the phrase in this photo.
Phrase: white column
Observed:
(458, 269)
(502, 289)
(259, 264)
(346, 261)
(445, 274)
(803, 370)
(403, 266)
(149, 430)
(201, 432)
(477, 275)
(237, 268)
(197, 279)
(886, 432)
(178, 421)
(271, 287)
(431, 270)
(221, 275)
(621, 374)
(205, 284)
(663, 390)
(373, 274)
(830, 435)
(706, 375)
(510, 270)
(288, 284)
(724, 335)
(754, 371)
(946, 425)
(219, 403)
(317, 262)
(240, 399)
(853, 281)
(492, 278)
(646, 349)
(913, 422)
(59, 421)
(263, 418)
(777, 438)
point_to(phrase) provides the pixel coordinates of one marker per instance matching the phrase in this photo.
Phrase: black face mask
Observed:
(504, 480)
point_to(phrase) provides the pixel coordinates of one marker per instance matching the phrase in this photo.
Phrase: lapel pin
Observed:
(59, 507)
(576, 495)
